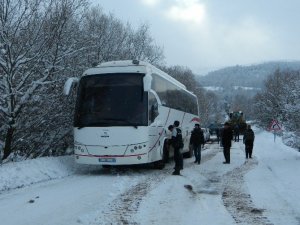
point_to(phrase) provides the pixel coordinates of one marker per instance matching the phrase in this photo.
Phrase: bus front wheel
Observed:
(159, 164)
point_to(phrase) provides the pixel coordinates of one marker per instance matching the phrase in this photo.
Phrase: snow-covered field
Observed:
(262, 190)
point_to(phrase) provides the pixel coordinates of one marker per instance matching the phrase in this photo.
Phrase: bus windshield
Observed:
(111, 100)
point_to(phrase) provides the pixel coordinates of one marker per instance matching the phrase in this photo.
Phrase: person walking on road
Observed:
(227, 136)
(248, 140)
(197, 139)
(177, 143)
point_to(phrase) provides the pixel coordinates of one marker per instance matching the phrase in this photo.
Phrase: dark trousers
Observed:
(248, 150)
(226, 151)
(178, 160)
(197, 153)
(236, 137)
(166, 152)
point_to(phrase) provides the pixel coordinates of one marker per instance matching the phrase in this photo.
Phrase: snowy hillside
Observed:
(244, 76)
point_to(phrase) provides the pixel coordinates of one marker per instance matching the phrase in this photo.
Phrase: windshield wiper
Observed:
(107, 121)
(123, 121)
(92, 124)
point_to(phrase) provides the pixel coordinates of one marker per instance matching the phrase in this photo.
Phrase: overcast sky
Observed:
(209, 34)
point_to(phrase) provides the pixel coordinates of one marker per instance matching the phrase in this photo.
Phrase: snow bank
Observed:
(20, 174)
(291, 139)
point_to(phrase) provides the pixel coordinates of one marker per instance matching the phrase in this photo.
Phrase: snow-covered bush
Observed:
(291, 139)
(280, 100)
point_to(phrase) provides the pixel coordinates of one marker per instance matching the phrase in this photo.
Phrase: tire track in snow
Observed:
(236, 199)
(122, 209)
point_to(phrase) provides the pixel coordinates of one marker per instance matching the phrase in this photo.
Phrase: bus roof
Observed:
(134, 66)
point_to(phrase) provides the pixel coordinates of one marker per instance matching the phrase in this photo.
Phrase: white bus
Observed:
(123, 110)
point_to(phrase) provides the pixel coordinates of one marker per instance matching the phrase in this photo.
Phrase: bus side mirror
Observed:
(69, 84)
(147, 82)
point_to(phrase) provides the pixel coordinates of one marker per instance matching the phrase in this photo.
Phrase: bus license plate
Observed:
(107, 160)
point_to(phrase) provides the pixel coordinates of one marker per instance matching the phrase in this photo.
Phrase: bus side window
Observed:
(153, 108)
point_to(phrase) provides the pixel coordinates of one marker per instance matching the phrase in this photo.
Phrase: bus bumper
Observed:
(112, 160)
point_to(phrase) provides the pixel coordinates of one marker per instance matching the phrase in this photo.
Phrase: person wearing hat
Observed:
(227, 136)
(177, 144)
(197, 140)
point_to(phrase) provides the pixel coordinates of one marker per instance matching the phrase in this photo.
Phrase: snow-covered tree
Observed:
(42, 43)
(109, 39)
(30, 37)
(244, 103)
(280, 100)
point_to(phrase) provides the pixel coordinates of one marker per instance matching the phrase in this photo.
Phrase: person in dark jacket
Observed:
(197, 139)
(176, 136)
(227, 136)
(248, 140)
(168, 143)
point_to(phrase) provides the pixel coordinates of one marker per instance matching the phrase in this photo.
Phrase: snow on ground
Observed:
(20, 174)
(262, 190)
(274, 183)
(201, 206)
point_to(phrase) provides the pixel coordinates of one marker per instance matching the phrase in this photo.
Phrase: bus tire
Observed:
(159, 164)
(106, 166)
(166, 151)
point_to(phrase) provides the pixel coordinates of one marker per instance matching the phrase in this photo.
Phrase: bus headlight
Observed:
(79, 148)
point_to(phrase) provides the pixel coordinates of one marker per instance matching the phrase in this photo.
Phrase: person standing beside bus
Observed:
(227, 136)
(168, 143)
(177, 144)
(197, 139)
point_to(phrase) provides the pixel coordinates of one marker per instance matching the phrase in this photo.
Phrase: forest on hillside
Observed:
(252, 76)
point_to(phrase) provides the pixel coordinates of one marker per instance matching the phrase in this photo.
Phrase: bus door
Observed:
(155, 127)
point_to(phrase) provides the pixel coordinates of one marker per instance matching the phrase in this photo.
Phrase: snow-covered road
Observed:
(62, 201)
(262, 190)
